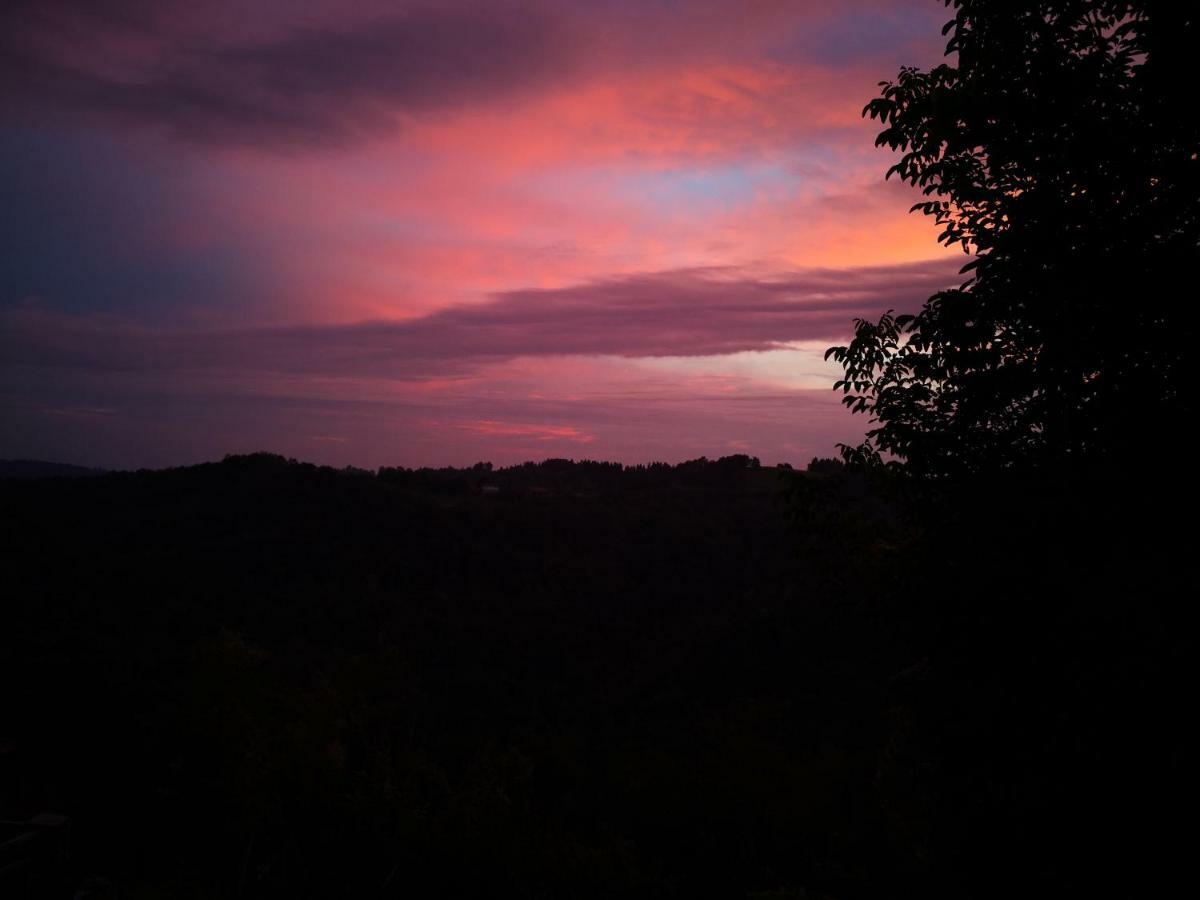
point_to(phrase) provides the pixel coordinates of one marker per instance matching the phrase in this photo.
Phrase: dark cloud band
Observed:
(310, 86)
(690, 312)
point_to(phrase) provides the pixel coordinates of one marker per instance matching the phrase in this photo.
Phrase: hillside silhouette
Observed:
(265, 678)
(261, 677)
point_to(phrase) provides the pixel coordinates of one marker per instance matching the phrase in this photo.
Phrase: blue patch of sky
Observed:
(858, 34)
(696, 189)
(708, 189)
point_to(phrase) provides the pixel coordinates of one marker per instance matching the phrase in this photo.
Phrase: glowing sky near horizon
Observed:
(395, 234)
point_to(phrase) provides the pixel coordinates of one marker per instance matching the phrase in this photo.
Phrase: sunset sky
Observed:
(380, 233)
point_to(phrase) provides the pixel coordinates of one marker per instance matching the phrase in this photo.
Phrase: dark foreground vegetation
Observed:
(260, 678)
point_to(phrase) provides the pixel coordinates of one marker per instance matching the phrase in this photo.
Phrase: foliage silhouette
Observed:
(1061, 152)
(1038, 741)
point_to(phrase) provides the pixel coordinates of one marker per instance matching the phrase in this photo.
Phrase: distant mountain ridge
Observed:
(37, 468)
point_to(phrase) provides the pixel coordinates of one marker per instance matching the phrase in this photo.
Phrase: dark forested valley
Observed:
(264, 678)
(258, 676)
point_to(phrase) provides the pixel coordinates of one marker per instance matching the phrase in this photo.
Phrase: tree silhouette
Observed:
(1060, 151)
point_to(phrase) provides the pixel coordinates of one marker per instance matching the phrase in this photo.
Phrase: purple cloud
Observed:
(691, 312)
(314, 85)
(175, 419)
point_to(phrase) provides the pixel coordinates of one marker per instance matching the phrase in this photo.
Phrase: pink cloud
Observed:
(289, 78)
(494, 428)
(464, 229)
